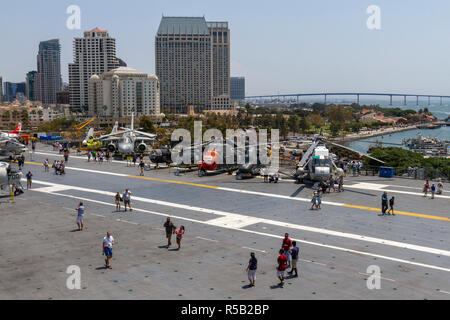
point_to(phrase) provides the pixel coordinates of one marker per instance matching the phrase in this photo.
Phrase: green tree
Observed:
(316, 120)
(146, 123)
(293, 123)
(304, 125)
(335, 128)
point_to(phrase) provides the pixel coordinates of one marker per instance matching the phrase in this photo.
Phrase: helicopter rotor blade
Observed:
(353, 150)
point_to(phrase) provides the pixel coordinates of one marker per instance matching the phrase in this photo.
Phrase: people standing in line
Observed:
(384, 203)
(80, 216)
(29, 179)
(127, 200)
(118, 199)
(107, 249)
(281, 268)
(251, 269)
(433, 190)
(294, 251)
(426, 187)
(391, 206)
(170, 230)
(180, 232)
(286, 245)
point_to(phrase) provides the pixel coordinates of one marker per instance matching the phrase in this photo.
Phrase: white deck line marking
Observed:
(443, 291)
(129, 222)
(279, 196)
(93, 214)
(380, 188)
(256, 220)
(253, 249)
(206, 239)
(74, 157)
(275, 236)
(53, 189)
(235, 221)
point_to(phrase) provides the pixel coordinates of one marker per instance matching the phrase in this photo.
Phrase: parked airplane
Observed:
(129, 141)
(10, 147)
(12, 134)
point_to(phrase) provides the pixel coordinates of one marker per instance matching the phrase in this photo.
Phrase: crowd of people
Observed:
(99, 156)
(326, 187)
(433, 189)
(287, 258)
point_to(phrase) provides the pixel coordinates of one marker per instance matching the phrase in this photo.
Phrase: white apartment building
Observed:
(95, 53)
(123, 91)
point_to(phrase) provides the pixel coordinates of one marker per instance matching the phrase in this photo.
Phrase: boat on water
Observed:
(428, 146)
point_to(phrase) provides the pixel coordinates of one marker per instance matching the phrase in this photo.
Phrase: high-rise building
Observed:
(14, 90)
(63, 96)
(193, 63)
(1, 89)
(220, 35)
(30, 85)
(237, 86)
(95, 53)
(123, 91)
(48, 77)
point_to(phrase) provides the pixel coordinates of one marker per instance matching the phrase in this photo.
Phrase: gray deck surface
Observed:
(38, 242)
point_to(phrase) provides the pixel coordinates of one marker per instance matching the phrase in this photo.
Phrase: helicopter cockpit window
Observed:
(322, 162)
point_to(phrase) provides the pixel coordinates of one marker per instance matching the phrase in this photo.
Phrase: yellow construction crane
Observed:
(80, 127)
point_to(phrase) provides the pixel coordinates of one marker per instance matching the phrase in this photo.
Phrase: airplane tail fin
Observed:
(90, 134)
(18, 129)
(115, 128)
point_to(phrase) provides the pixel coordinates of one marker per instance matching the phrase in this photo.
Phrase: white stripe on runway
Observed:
(236, 220)
(276, 236)
(74, 157)
(381, 188)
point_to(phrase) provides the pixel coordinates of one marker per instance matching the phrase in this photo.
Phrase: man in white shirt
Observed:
(107, 245)
(127, 200)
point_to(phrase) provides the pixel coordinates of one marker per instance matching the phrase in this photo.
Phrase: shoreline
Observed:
(359, 136)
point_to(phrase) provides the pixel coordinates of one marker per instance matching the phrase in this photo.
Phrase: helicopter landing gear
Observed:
(239, 176)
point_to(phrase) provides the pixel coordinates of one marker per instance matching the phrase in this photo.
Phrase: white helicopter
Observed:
(317, 164)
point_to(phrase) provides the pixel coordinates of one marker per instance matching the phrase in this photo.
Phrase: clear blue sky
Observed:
(281, 46)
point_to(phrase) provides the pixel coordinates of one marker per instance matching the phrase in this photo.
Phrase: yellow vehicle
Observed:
(94, 144)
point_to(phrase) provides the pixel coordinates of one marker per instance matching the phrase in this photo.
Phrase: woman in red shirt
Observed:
(179, 232)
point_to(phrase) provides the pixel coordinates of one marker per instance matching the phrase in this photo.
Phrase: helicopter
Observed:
(317, 164)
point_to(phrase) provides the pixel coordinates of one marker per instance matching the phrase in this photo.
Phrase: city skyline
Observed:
(321, 47)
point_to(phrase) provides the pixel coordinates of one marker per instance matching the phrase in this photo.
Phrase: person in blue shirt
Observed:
(384, 203)
(433, 191)
(294, 253)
